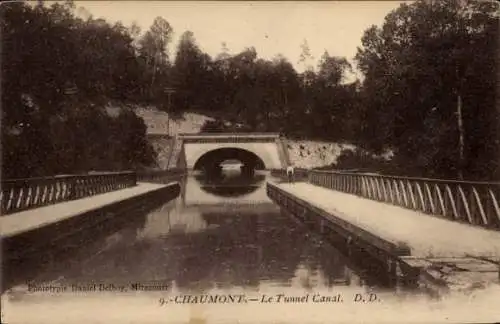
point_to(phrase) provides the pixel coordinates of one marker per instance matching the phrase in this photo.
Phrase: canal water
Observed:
(220, 236)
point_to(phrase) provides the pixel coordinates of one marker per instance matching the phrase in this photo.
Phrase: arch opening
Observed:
(235, 159)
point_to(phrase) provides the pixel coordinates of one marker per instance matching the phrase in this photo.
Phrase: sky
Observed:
(271, 27)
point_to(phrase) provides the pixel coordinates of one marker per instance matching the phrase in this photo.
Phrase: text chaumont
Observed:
(210, 299)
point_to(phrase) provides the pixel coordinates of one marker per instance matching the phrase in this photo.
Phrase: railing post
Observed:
(134, 178)
(72, 188)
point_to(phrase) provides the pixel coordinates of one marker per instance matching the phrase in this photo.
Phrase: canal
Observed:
(220, 236)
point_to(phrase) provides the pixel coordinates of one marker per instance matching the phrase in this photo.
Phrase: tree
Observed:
(422, 70)
(153, 49)
(191, 74)
(332, 69)
(306, 58)
(53, 116)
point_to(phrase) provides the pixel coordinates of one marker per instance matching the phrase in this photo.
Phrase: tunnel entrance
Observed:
(229, 161)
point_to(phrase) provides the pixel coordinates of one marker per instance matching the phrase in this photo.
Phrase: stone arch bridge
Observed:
(261, 151)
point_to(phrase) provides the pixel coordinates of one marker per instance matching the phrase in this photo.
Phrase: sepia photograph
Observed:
(281, 162)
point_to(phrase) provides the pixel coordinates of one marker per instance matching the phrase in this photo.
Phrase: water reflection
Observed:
(229, 189)
(230, 183)
(199, 251)
(53, 263)
(201, 242)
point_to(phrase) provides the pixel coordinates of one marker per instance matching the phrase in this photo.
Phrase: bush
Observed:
(220, 126)
(360, 160)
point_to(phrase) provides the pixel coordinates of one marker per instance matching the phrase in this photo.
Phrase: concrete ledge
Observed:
(343, 227)
(437, 274)
(79, 216)
(20, 222)
(425, 235)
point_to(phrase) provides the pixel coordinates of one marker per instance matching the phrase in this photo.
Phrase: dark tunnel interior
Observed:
(212, 160)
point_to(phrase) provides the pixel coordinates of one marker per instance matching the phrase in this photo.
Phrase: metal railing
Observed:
(23, 194)
(229, 137)
(475, 203)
